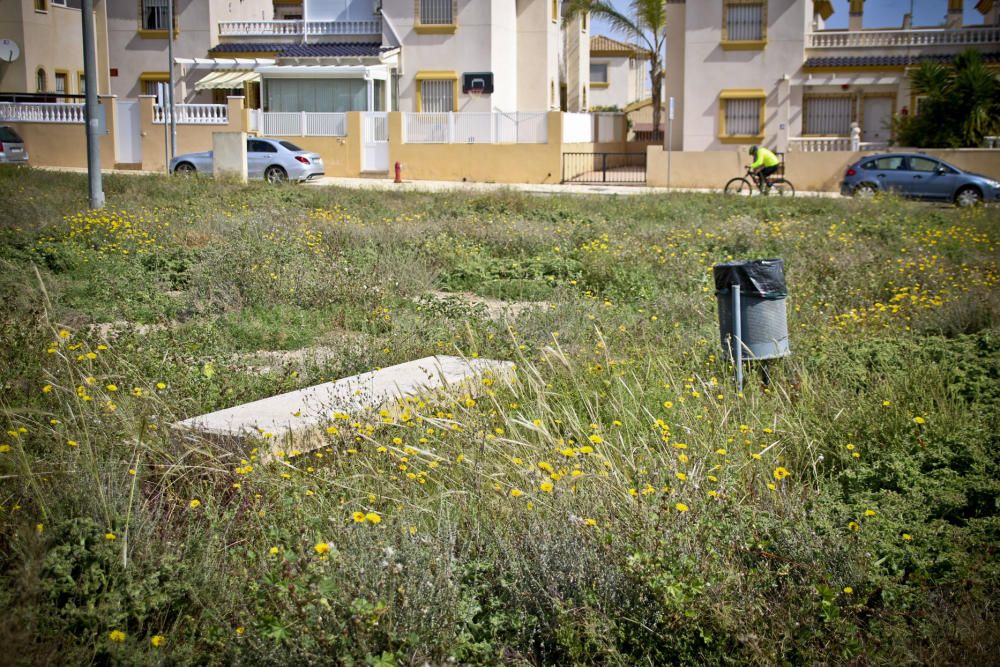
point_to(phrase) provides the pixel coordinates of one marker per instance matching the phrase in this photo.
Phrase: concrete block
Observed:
(298, 419)
(229, 155)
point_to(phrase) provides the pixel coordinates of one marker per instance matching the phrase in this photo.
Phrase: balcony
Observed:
(913, 38)
(299, 28)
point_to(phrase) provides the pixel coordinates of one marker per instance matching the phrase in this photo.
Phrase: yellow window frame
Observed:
(146, 33)
(742, 94)
(435, 28)
(437, 75)
(743, 44)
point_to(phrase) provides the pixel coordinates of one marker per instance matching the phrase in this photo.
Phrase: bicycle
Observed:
(743, 185)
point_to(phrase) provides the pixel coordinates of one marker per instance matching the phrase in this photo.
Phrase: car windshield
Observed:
(289, 145)
(8, 134)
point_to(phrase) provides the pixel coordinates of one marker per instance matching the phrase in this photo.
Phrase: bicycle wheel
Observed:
(739, 186)
(782, 188)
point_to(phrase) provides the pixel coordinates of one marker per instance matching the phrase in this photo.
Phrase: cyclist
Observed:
(764, 164)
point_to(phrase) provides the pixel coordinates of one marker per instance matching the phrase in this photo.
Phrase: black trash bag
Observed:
(761, 278)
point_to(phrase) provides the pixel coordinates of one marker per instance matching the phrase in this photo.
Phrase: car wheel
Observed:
(185, 169)
(865, 191)
(275, 174)
(968, 196)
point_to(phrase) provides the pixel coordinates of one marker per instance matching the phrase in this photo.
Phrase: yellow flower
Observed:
(546, 487)
(194, 504)
(853, 525)
(39, 528)
(668, 404)
(240, 630)
(359, 517)
(919, 420)
(374, 518)
(112, 387)
(322, 548)
(907, 537)
(64, 334)
(110, 536)
(781, 473)
(681, 476)
(869, 512)
(681, 507)
(590, 522)
(4, 448)
(886, 404)
(515, 493)
(713, 494)
(596, 439)
(848, 590)
(116, 636)
(46, 389)
(157, 640)
(161, 386)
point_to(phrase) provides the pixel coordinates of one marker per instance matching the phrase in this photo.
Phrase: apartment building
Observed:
(30, 31)
(768, 71)
(618, 73)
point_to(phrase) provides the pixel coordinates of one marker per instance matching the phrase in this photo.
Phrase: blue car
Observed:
(919, 176)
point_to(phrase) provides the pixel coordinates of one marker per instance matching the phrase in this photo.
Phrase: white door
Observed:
(876, 119)
(375, 141)
(128, 142)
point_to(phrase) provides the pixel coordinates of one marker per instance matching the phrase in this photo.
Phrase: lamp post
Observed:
(90, 106)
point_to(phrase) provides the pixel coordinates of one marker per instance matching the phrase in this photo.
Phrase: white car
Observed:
(274, 160)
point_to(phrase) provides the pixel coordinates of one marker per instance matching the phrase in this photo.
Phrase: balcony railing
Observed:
(193, 114)
(42, 112)
(298, 28)
(835, 39)
(827, 144)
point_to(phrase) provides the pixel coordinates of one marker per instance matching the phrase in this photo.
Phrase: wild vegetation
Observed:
(620, 503)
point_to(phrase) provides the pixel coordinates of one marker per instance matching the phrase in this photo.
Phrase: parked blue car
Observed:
(919, 176)
(274, 160)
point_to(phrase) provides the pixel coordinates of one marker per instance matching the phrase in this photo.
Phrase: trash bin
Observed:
(763, 322)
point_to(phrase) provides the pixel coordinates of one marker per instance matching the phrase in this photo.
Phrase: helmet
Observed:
(753, 149)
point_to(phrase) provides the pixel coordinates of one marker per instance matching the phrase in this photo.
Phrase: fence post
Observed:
(302, 123)
(604, 167)
(451, 127)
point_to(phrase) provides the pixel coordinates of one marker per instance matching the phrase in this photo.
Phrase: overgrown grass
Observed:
(620, 503)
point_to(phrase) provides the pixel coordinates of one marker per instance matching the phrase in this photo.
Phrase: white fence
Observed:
(299, 123)
(827, 144)
(42, 112)
(297, 28)
(578, 128)
(475, 128)
(193, 114)
(842, 39)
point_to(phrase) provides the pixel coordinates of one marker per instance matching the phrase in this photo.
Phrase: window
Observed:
(555, 10)
(598, 74)
(41, 84)
(41, 5)
(154, 14)
(741, 116)
(828, 115)
(72, 4)
(61, 81)
(437, 95)
(316, 95)
(927, 165)
(885, 163)
(81, 86)
(436, 12)
(257, 146)
(744, 23)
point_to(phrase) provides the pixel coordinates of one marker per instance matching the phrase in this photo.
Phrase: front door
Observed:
(375, 141)
(876, 124)
(128, 140)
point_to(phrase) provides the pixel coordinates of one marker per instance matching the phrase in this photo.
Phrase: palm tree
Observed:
(960, 107)
(645, 23)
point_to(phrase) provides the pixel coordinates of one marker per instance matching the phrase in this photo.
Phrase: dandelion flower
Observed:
(681, 476)
(848, 590)
(194, 504)
(4, 448)
(46, 389)
(681, 507)
(157, 640)
(359, 517)
(869, 512)
(919, 420)
(546, 487)
(116, 636)
(596, 439)
(590, 522)
(161, 386)
(112, 387)
(853, 525)
(907, 537)
(515, 493)
(110, 536)
(322, 548)
(781, 473)
(373, 518)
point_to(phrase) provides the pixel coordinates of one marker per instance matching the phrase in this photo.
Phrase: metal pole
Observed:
(738, 335)
(170, 71)
(670, 136)
(90, 83)
(166, 125)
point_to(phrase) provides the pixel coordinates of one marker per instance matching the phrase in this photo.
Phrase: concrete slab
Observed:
(298, 419)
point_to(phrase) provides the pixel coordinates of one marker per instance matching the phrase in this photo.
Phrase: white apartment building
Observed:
(618, 73)
(767, 71)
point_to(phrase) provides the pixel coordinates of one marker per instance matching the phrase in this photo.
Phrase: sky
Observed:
(878, 13)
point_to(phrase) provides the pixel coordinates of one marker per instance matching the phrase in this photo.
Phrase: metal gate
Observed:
(619, 168)
(375, 143)
(128, 141)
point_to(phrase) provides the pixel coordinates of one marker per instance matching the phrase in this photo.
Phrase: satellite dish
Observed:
(9, 51)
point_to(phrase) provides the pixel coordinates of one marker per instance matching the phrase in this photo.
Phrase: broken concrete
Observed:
(298, 419)
(495, 309)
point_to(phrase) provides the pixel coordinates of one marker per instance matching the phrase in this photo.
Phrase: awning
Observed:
(226, 80)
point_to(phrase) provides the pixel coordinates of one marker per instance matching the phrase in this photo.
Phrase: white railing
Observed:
(301, 124)
(842, 39)
(475, 128)
(828, 144)
(259, 28)
(31, 112)
(370, 27)
(578, 128)
(193, 114)
(297, 28)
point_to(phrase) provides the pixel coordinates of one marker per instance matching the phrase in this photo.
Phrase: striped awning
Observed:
(226, 80)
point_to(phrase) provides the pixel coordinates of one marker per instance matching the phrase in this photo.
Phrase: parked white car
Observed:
(274, 160)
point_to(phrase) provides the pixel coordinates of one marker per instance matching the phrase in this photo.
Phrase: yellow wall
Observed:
(65, 144)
